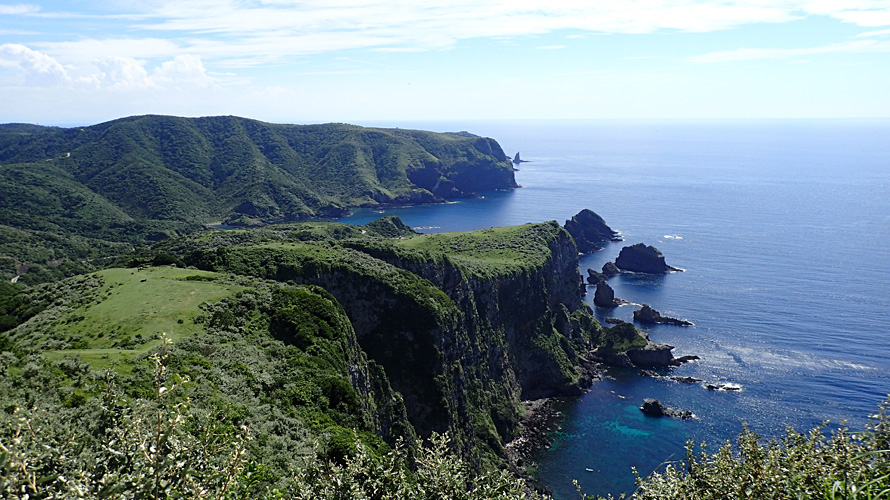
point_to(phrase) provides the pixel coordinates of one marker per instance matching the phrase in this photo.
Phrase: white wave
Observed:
(673, 237)
(784, 360)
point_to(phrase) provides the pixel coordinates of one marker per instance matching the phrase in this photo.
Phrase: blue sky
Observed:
(83, 61)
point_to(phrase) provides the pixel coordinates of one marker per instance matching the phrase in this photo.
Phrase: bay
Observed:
(783, 229)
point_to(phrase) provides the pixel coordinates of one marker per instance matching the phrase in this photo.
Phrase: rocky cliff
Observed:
(465, 325)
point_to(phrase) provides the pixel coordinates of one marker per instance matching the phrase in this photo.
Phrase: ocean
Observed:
(783, 229)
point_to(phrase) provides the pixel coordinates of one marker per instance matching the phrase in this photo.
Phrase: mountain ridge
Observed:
(144, 178)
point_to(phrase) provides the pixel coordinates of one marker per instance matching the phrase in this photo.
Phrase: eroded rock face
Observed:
(641, 258)
(589, 230)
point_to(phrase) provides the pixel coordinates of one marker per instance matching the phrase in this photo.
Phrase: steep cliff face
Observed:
(526, 328)
(465, 325)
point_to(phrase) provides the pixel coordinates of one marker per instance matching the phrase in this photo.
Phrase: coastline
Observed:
(539, 421)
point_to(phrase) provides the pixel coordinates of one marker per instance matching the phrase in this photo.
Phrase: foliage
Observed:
(620, 337)
(150, 449)
(795, 466)
(439, 475)
(165, 447)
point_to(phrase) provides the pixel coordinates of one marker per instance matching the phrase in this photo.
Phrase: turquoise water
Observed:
(783, 228)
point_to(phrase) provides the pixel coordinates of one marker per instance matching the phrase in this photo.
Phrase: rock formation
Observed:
(640, 258)
(651, 316)
(651, 355)
(654, 408)
(593, 277)
(610, 269)
(589, 230)
(605, 296)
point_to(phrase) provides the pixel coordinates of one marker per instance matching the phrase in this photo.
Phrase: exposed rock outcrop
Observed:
(654, 408)
(650, 316)
(589, 230)
(605, 296)
(593, 277)
(640, 258)
(652, 355)
(610, 269)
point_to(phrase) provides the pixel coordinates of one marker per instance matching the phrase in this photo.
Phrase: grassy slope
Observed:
(493, 251)
(124, 315)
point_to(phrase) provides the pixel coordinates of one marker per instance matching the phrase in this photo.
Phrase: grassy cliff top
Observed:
(492, 251)
(118, 313)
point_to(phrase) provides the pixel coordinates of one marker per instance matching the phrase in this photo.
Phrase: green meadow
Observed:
(131, 309)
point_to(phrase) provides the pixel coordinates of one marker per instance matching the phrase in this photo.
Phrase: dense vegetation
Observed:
(310, 359)
(72, 197)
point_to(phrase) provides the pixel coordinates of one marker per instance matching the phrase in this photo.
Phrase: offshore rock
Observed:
(654, 408)
(610, 269)
(605, 296)
(594, 277)
(640, 258)
(589, 230)
(652, 317)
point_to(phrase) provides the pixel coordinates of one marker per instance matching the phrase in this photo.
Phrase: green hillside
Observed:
(146, 178)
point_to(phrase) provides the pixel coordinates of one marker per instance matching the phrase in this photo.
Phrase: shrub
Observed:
(795, 466)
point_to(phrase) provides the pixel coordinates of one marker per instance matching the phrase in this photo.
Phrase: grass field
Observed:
(133, 307)
(497, 250)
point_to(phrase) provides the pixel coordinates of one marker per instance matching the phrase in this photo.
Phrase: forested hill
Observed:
(71, 191)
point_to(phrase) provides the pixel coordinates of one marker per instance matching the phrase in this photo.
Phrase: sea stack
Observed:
(589, 230)
(605, 296)
(641, 258)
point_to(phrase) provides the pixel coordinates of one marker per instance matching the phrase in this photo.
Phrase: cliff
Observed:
(465, 325)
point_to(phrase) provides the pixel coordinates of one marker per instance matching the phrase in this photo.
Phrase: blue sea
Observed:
(783, 229)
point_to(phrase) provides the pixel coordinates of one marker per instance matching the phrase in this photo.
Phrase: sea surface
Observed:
(783, 229)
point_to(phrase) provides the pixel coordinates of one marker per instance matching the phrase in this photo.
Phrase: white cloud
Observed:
(747, 54)
(109, 72)
(868, 18)
(120, 73)
(182, 70)
(878, 33)
(15, 10)
(38, 68)
(242, 33)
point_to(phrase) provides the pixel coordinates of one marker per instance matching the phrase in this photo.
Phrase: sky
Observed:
(80, 62)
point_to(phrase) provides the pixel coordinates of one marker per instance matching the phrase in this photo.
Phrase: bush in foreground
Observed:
(796, 466)
(162, 448)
